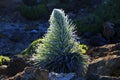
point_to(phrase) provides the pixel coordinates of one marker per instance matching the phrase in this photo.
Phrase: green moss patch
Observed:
(4, 58)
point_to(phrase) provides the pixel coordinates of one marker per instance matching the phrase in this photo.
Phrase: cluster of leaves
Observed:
(83, 48)
(4, 58)
(59, 51)
(32, 10)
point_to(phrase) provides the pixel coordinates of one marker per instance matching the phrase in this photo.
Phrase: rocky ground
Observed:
(103, 65)
(16, 36)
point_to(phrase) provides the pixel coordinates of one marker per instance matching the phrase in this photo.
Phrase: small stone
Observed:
(34, 31)
(61, 76)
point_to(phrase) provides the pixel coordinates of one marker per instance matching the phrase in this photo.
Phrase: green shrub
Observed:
(4, 58)
(83, 48)
(32, 49)
(108, 11)
(59, 51)
(90, 23)
(33, 12)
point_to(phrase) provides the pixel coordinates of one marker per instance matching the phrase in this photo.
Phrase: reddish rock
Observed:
(105, 60)
(31, 73)
(105, 66)
(102, 51)
(16, 65)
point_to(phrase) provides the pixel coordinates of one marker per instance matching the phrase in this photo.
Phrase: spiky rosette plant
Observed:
(58, 51)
